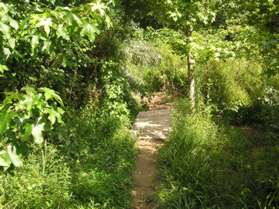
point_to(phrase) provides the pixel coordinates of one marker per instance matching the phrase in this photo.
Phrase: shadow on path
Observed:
(151, 128)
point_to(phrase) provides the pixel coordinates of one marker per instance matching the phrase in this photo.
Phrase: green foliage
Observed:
(179, 14)
(265, 111)
(270, 48)
(206, 166)
(101, 164)
(88, 165)
(85, 162)
(231, 84)
(8, 28)
(152, 66)
(51, 43)
(27, 114)
(115, 91)
(29, 188)
(74, 47)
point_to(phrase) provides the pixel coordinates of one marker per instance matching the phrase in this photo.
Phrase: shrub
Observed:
(25, 115)
(231, 84)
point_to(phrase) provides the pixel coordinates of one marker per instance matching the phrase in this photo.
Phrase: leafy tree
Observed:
(185, 17)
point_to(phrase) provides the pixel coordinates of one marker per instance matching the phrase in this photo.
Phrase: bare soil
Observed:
(151, 128)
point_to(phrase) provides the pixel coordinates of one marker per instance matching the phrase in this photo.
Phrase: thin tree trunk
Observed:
(191, 77)
(192, 82)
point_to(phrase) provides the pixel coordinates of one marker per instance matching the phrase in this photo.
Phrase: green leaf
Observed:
(3, 68)
(89, 31)
(4, 28)
(61, 112)
(12, 43)
(27, 131)
(75, 18)
(7, 52)
(55, 115)
(61, 32)
(108, 21)
(52, 116)
(27, 102)
(46, 23)
(14, 24)
(37, 133)
(46, 45)
(5, 160)
(99, 7)
(15, 159)
(34, 42)
(4, 122)
(51, 94)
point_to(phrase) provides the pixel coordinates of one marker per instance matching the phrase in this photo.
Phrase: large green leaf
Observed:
(54, 115)
(89, 31)
(99, 7)
(3, 68)
(45, 23)
(4, 28)
(5, 160)
(51, 94)
(14, 24)
(5, 118)
(37, 133)
(15, 159)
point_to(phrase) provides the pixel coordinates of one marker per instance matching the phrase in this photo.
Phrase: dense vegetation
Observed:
(211, 165)
(72, 77)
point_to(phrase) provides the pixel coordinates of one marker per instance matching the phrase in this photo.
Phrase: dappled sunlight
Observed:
(139, 104)
(151, 127)
(153, 124)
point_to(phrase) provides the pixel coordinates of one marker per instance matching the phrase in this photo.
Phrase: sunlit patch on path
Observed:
(151, 128)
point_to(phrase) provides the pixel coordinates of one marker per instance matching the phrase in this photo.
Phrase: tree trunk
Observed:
(192, 82)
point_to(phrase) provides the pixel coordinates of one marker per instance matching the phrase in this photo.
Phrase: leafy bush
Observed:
(25, 114)
(115, 92)
(51, 43)
(265, 108)
(231, 84)
(85, 162)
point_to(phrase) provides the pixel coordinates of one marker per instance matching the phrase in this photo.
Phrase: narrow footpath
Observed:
(151, 128)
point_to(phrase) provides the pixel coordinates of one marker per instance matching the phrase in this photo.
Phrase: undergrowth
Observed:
(206, 165)
(153, 67)
(88, 165)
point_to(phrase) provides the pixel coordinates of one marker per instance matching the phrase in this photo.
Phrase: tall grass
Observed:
(207, 166)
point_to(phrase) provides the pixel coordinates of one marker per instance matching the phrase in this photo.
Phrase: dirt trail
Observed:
(151, 128)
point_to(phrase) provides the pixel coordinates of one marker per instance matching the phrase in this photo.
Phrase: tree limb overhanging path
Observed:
(151, 128)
